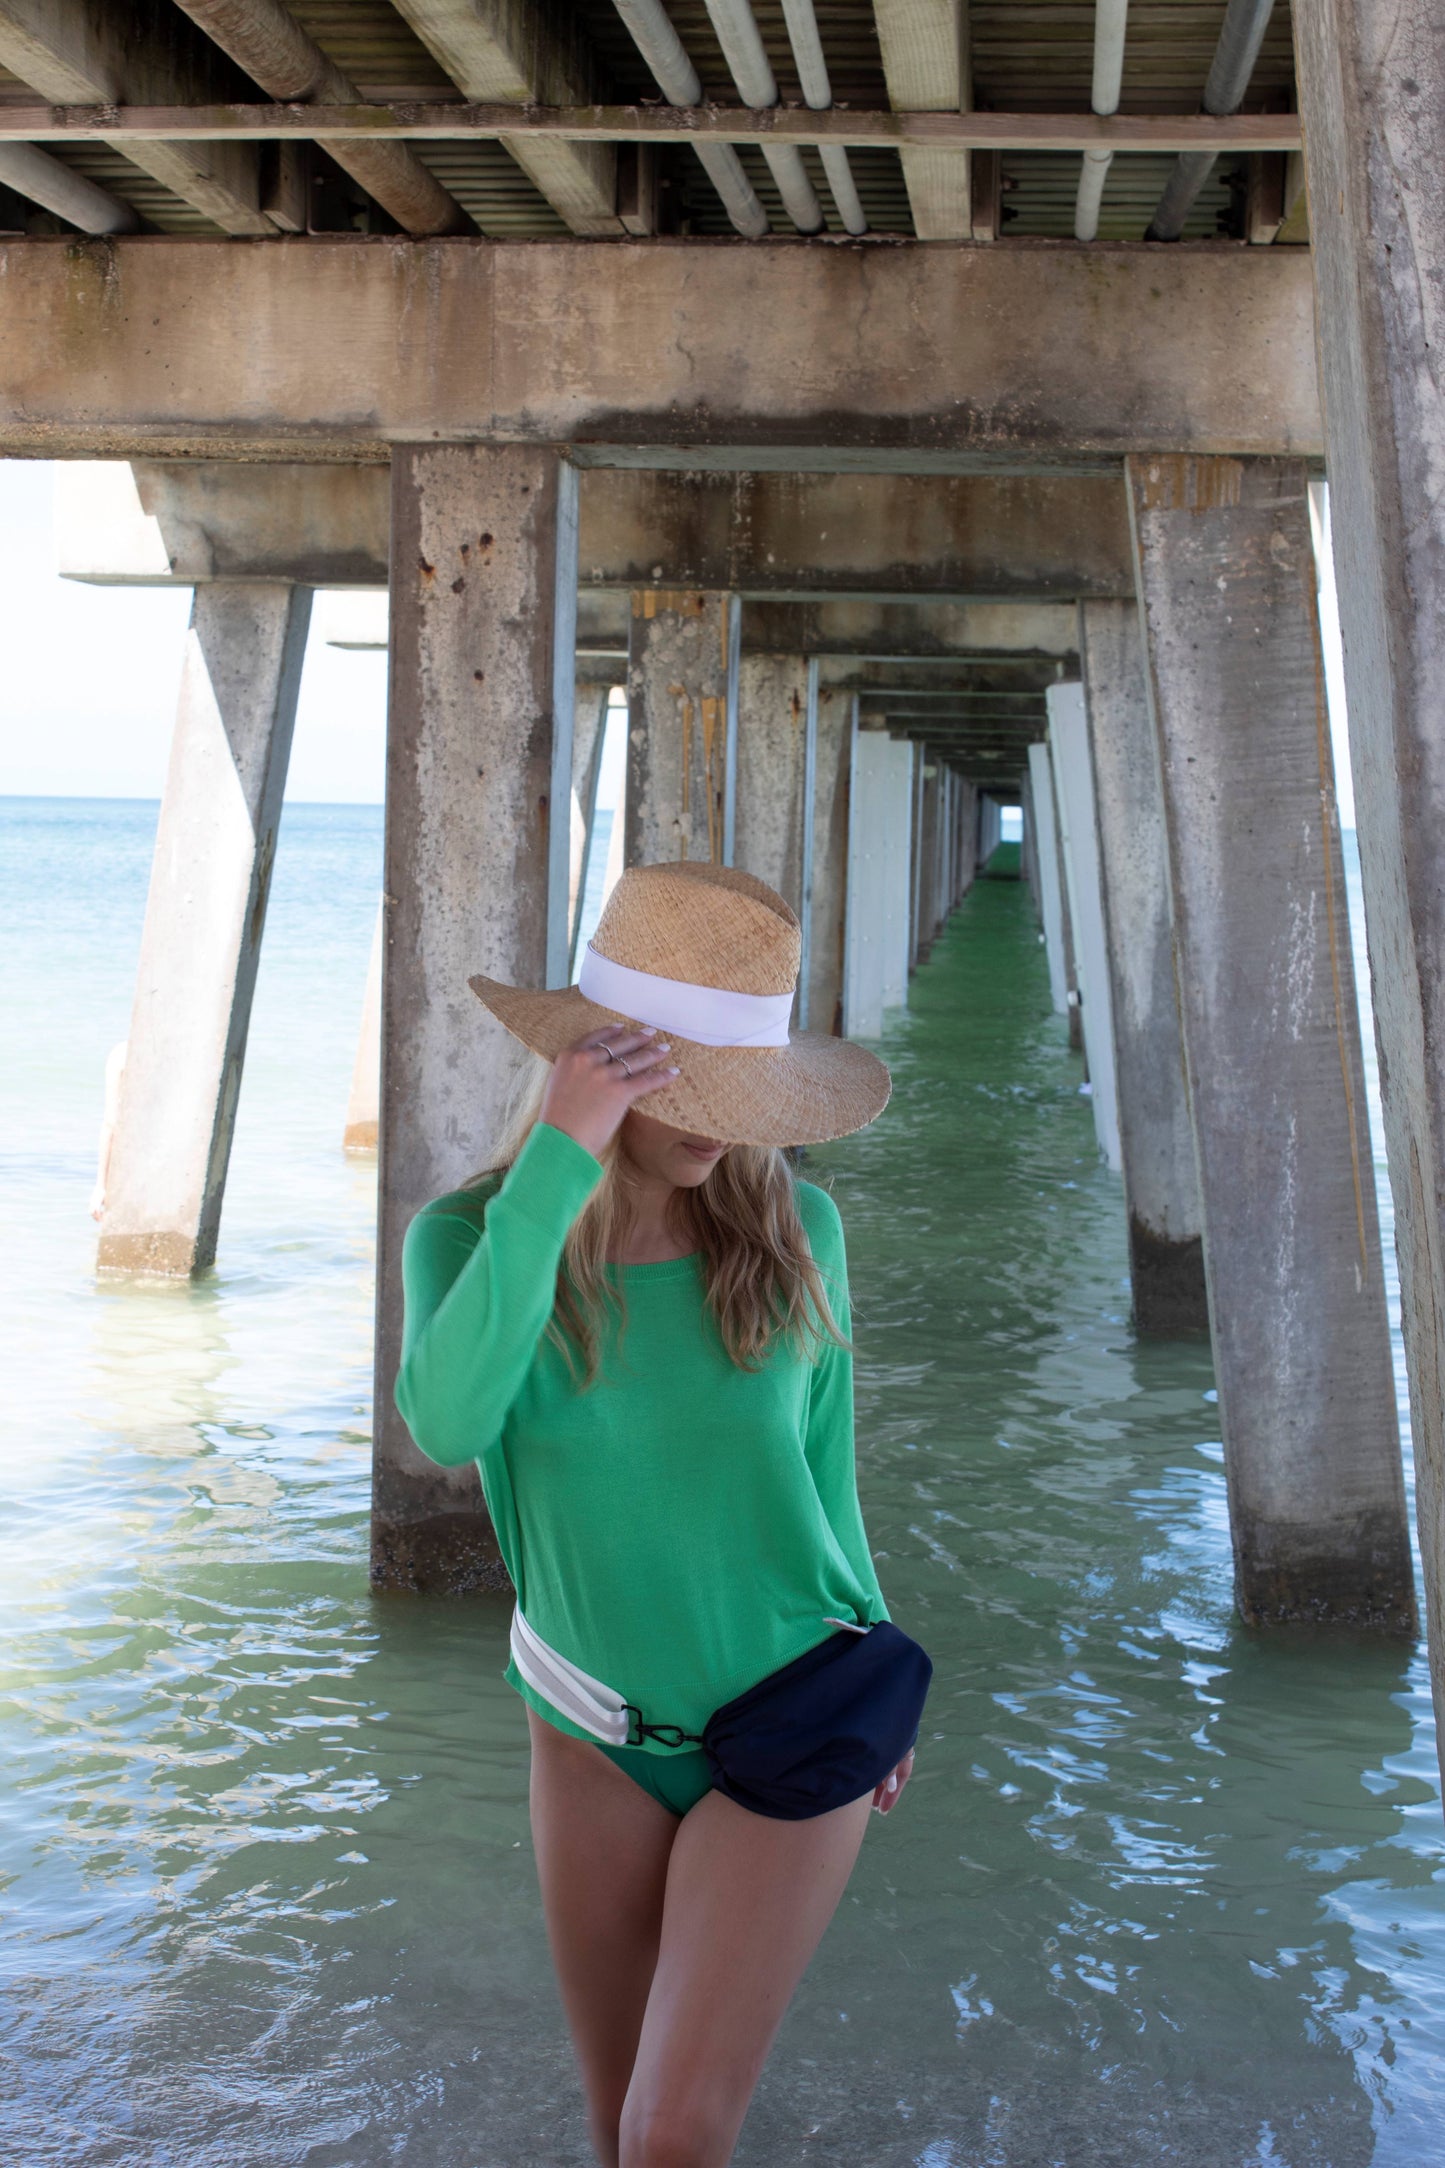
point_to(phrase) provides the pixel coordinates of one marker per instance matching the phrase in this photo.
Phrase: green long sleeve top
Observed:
(682, 1527)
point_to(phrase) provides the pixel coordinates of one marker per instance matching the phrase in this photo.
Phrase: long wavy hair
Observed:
(762, 1284)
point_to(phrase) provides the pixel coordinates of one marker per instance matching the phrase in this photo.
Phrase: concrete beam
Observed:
(509, 52)
(863, 537)
(1372, 87)
(84, 53)
(1272, 1044)
(1031, 360)
(478, 756)
(210, 880)
(935, 634)
(1156, 1140)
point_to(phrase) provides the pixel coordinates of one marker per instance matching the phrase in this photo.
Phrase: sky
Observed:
(91, 674)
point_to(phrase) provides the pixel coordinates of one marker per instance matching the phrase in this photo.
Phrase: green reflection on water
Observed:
(1161, 1890)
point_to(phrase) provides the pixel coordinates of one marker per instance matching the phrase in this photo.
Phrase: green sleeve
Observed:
(829, 1444)
(479, 1295)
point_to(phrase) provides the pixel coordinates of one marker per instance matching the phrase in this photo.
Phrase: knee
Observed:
(670, 2135)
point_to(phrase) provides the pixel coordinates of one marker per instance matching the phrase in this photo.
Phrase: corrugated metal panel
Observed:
(1040, 190)
(1028, 56)
(372, 43)
(487, 182)
(112, 170)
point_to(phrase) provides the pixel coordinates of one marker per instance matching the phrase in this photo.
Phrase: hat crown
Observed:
(706, 925)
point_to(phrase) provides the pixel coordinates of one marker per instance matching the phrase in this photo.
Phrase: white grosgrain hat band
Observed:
(709, 1015)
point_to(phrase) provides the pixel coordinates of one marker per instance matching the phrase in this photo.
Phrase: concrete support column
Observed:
(1079, 848)
(791, 822)
(967, 830)
(880, 881)
(1053, 896)
(929, 817)
(1271, 1041)
(915, 855)
(1156, 1140)
(479, 767)
(363, 1107)
(210, 879)
(589, 726)
(1029, 852)
(678, 725)
(1372, 90)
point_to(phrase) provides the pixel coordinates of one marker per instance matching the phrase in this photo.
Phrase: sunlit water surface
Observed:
(1161, 1891)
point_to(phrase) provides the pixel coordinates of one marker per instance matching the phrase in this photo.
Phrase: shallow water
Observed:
(1161, 1891)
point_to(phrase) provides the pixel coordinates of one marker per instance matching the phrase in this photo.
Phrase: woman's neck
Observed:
(652, 1238)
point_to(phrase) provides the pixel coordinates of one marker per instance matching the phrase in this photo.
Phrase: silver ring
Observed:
(625, 1070)
(609, 1053)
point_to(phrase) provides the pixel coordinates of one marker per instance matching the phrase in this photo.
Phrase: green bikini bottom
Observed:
(675, 1781)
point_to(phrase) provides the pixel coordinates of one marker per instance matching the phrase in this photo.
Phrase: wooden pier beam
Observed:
(1272, 1043)
(479, 763)
(210, 880)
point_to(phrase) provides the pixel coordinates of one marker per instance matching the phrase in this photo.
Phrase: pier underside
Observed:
(911, 440)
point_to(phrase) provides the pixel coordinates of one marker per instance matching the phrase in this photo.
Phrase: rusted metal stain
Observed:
(1180, 484)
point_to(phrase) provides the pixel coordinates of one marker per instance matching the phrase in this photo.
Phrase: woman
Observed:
(639, 1332)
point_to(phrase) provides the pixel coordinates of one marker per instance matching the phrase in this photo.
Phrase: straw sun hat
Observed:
(710, 955)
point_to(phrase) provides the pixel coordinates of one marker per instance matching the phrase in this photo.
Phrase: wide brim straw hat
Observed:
(710, 955)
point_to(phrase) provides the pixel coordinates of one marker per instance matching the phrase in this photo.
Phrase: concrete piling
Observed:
(678, 732)
(479, 766)
(1079, 852)
(1050, 869)
(1271, 1041)
(210, 880)
(1372, 91)
(1156, 1140)
(363, 1106)
(878, 927)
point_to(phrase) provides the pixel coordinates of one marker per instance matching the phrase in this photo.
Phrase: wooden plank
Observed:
(427, 121)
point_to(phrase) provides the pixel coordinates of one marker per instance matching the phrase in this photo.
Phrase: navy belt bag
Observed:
(825, 1729)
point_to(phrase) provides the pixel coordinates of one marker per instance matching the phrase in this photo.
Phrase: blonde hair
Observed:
(761, 1281)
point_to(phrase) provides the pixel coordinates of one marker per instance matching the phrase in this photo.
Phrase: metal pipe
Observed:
(33, 173)
(1245, 23)
(677, 79)
(812, 69)
(751, 70)
(1110, 20)
(265, 39)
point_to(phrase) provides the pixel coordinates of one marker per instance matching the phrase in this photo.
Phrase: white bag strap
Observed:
(597, 1708)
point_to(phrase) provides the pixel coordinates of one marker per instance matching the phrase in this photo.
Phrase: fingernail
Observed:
(893, 1784)
(663, 1047)
(674, 1070)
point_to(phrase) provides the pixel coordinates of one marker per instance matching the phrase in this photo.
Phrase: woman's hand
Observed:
(595, 1081)
(890, 1791)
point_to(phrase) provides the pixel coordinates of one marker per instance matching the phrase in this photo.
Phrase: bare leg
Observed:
(747, 1902)
(602, 1849)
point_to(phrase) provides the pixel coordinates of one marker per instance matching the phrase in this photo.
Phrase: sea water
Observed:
(1162, 1889)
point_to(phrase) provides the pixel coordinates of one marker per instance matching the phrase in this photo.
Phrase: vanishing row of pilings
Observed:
(1181, 836)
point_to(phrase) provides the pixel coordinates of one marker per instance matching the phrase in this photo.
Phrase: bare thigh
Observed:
(747, 1902)
(602, 1847)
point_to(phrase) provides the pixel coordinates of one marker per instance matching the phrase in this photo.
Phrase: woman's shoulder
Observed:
(822, 1223)
(469, 1203)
